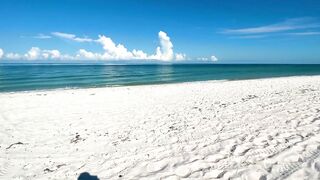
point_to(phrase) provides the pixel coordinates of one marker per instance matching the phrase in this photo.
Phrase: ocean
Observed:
(20, 77)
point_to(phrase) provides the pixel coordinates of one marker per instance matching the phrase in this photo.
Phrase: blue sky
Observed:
(238, 31)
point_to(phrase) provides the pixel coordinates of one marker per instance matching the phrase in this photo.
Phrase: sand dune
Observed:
(252, 129)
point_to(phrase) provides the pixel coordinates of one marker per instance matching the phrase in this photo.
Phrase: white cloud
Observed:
(180, 57)
(33, 53)
(165, 50)
(139, 54)
(305, 33)
(51, 54)
(84, 54)
(1, 53)
(71, 37)
(13, 56)
(250, 36)
(202, 59)
(166, 45)
(111, 51)
(42, 36)
(213, 58)
(287, 25)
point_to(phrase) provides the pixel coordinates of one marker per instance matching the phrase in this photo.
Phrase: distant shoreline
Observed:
(131, 63)
(43, 77)
(155, 85)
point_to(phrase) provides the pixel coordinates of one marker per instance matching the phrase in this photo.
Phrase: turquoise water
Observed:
(39, 77)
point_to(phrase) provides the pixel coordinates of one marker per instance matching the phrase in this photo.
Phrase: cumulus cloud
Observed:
(165, 50)
(84, 54)
(71, 37)
(1, 53)
(51, 54)
(35, 53)
(13, 56)
(166, 47)
(139, 54)
(202, 59)
(180, 57)
(111, 51)
(211, 58)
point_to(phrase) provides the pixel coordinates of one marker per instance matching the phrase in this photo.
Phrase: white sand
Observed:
(267, 129)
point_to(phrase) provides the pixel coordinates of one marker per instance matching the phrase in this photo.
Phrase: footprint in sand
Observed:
(242, 150)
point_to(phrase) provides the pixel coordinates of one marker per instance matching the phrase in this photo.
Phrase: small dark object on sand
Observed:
(87, 176)
(18, 143)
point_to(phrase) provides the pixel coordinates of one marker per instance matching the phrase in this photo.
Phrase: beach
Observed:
(247, 129)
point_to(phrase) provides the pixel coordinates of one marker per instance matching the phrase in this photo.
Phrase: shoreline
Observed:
(159, 84)
(257, 128)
